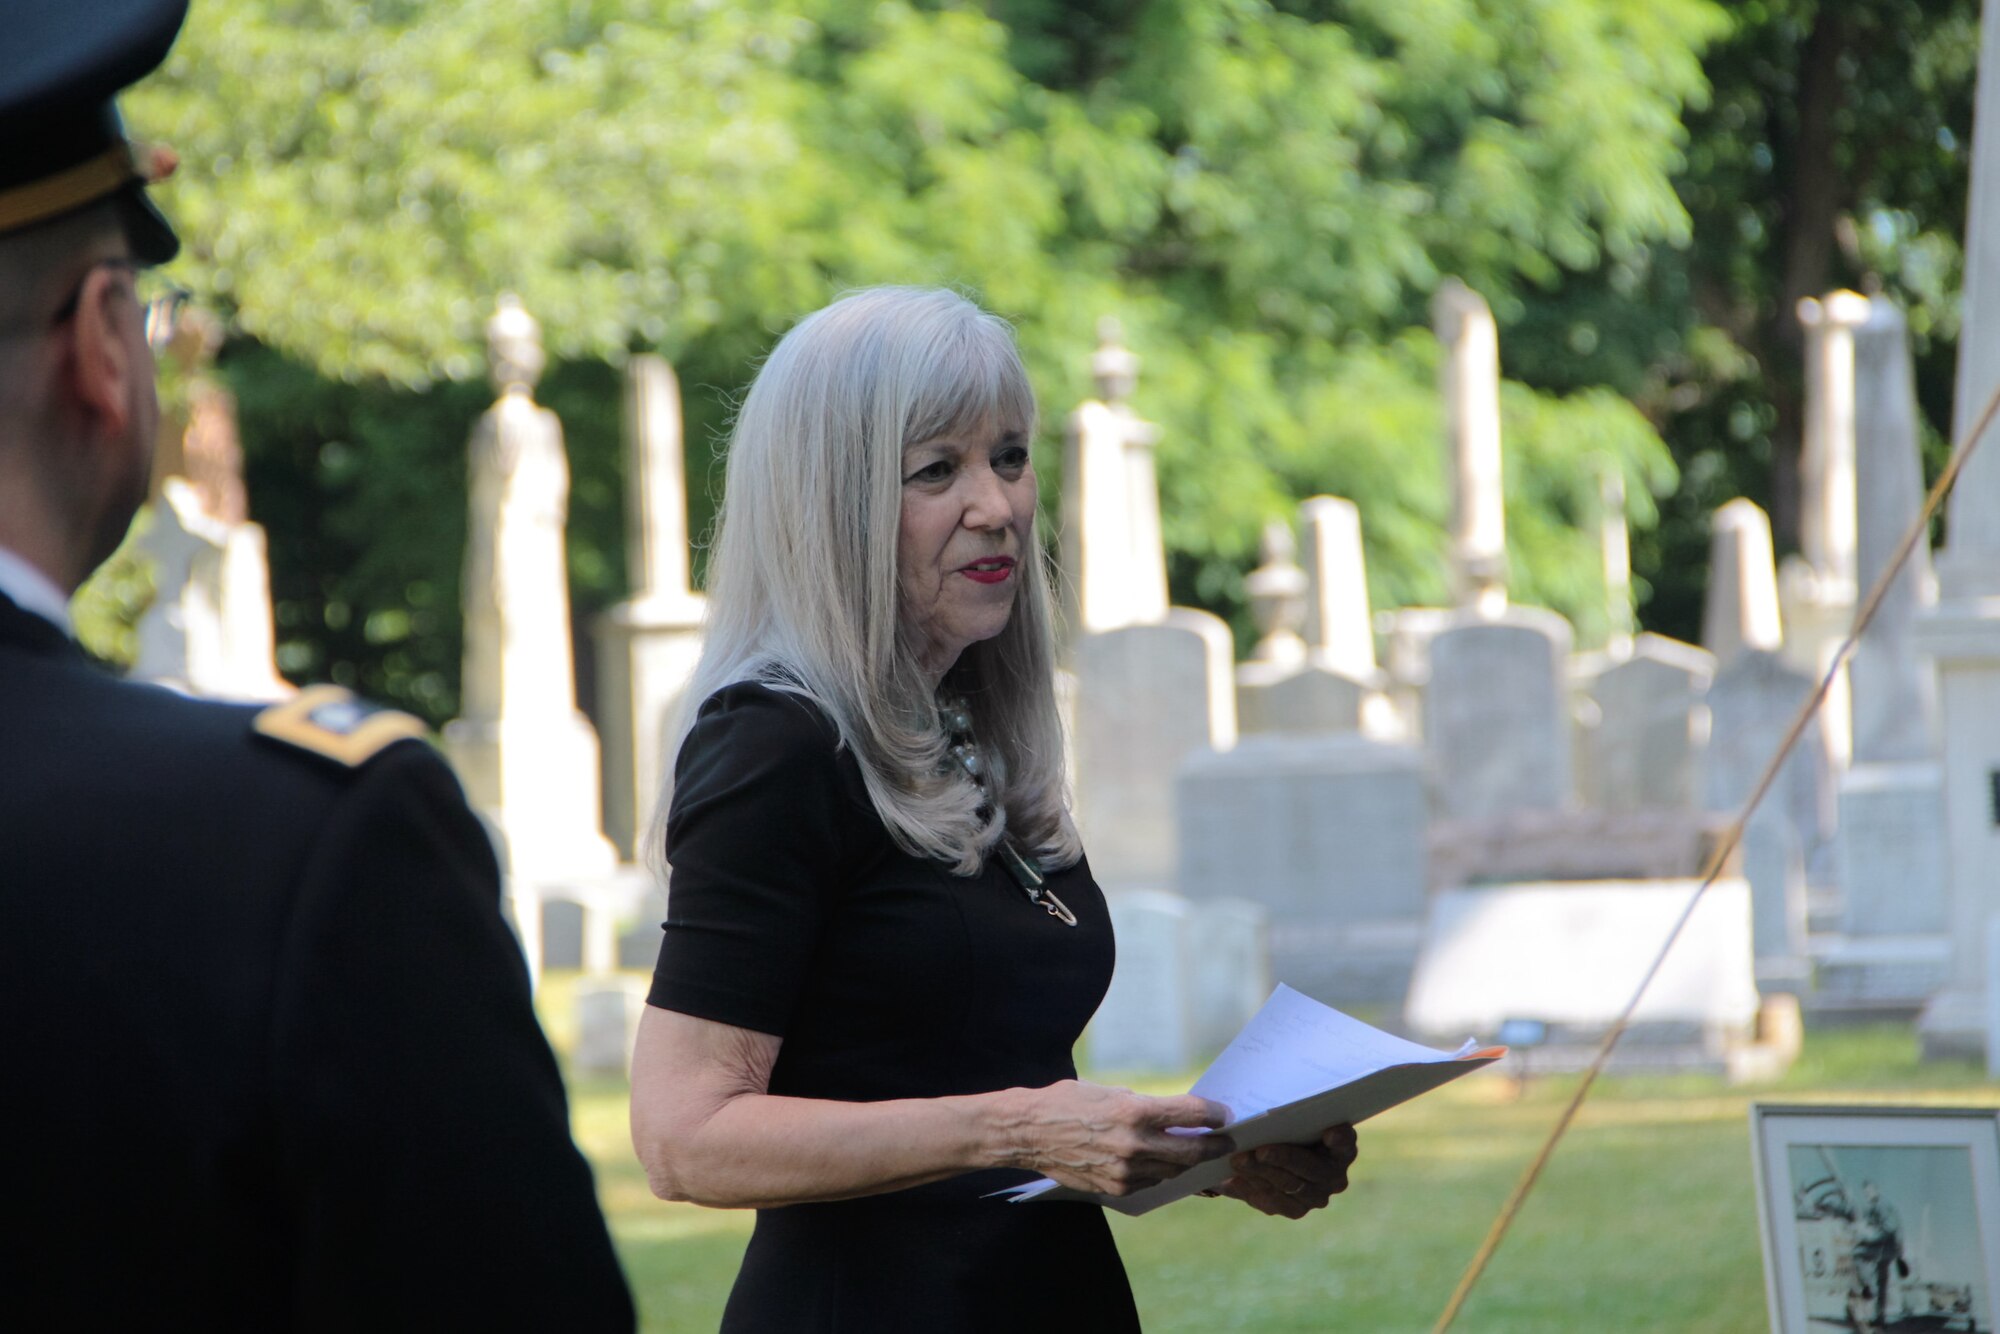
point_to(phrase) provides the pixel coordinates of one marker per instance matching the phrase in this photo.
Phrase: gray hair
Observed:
(814, 484)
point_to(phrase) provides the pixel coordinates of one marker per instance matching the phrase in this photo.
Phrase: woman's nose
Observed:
(986, 503)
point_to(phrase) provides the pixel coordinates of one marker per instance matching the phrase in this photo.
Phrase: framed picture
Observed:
(1879, 1220)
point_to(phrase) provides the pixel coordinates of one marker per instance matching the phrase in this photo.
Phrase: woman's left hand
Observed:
(1292, 1180)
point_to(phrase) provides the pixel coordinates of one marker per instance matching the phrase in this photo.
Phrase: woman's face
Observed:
(968, 515)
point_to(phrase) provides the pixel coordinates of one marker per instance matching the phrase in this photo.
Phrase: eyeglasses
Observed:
(160, 301)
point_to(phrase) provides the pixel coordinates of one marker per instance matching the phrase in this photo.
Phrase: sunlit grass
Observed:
(1645, 1221)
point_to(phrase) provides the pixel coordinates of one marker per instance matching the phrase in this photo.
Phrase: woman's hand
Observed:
(1292, 1180)
(1110, 1141)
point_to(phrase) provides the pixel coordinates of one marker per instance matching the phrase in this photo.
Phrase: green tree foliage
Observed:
(1834, 151)
(1266, 192)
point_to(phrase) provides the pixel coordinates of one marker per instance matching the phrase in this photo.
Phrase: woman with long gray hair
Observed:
(882, 938)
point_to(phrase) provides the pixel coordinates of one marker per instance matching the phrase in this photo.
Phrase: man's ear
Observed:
(100, 360)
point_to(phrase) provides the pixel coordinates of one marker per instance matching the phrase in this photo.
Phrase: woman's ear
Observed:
(101, 362)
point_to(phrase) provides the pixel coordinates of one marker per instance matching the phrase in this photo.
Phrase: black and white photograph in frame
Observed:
(1878, 1220)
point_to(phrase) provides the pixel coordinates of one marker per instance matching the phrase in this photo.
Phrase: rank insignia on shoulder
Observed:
(331, 721)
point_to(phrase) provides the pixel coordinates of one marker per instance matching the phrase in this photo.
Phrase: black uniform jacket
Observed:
(269, 1058)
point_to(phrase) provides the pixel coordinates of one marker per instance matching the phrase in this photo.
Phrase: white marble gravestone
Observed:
(1895, 908)
(1615, 542)
(1147, 697)
(1962, 632)
(648, 645)
(607, 1024)
(1231, 969)
(1652, 724)
(1146, 1022)
(1571, 956)
(1816, 587)
(1741, 608)
(527, 757)
(208, 629)
(1497, 714)
(1339, 632)
(1114, 560)
(1337, 687)
(1752, 703)
(1471, 385)
(1327, 835)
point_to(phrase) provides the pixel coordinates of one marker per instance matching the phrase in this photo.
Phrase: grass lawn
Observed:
(1645, 1220)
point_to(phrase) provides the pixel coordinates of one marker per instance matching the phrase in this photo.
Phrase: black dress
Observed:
(791, 912)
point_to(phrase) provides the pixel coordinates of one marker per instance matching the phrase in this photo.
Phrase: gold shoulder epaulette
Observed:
(333, 722)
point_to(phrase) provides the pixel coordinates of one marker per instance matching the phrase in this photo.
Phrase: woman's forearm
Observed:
(707, 1129)
(758, 1150)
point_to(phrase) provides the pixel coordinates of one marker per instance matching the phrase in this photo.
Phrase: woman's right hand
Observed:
(1110, 1141)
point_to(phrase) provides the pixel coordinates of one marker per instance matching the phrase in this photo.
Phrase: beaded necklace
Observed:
(964, 752)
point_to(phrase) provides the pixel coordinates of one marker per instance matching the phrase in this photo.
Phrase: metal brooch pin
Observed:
(1029, 877)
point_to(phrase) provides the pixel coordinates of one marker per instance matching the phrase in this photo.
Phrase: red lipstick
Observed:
(992, 570)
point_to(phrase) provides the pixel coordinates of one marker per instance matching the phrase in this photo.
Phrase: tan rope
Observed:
(1732, 838)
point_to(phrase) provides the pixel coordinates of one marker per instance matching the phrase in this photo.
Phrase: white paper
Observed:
(1296, 1057)
(1295, 1047)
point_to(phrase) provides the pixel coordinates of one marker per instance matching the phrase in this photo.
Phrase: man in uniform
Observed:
(271, 1062)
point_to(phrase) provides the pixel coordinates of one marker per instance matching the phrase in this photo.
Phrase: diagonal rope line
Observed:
(1732, 839)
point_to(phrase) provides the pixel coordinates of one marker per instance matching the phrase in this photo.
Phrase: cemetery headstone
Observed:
(1741, 610)
(1327, 835)
(1962, 632)
(1339, 631)
(1497, 716)
(1652, 723)
(1471, 374)
(1752, 703)
(1148, 696)
(527, 757)
(1112, 551)
(1146, 1020)
(648, 645)
(1231, 969)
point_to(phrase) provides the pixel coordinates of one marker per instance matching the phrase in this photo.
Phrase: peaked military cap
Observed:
(62, 144)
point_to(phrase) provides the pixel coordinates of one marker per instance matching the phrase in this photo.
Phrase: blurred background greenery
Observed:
(1266, 191)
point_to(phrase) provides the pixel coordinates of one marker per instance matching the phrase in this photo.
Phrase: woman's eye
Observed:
(936, 471)
(1011, 460)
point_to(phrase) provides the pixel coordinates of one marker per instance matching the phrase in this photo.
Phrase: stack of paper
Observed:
(1296, 1070)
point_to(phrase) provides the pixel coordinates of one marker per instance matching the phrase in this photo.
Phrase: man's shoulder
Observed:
(319, 742)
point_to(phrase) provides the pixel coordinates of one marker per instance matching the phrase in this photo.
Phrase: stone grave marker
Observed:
(1146, 1021)
(607, 1024)
(1327, 835)
(1652, 723)
(1497, 716)
(1231, 966)
(1752, 703)
(1147, 697)
(527, 757)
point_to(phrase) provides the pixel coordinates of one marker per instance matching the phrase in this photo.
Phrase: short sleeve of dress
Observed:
(760, 834)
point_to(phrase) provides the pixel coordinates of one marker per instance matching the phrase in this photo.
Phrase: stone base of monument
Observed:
(1577, 845)
(1891, 978)
(607, 1024)
(1568, 957)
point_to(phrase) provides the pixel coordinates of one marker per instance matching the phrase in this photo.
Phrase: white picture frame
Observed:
(1878, 1219)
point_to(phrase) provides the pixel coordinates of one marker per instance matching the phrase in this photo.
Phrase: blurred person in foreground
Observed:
(271, 1059)
(882, 937)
